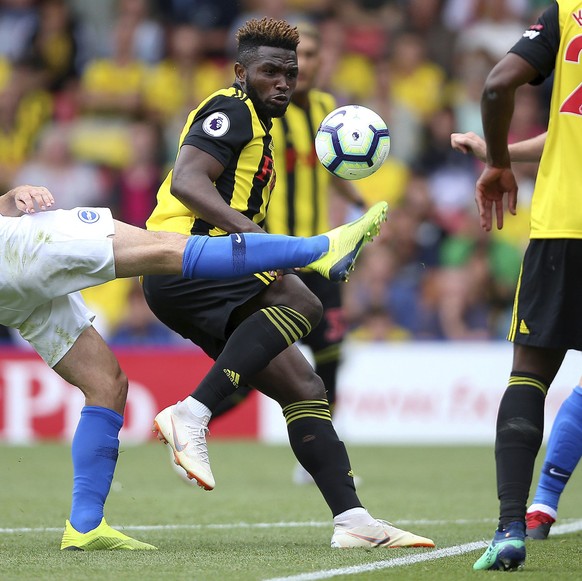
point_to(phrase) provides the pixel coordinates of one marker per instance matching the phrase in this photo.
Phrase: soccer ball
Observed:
(352, 142)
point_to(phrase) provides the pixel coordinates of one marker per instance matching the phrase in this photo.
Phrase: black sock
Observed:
(231, 401)
(319, 450)
(250, 348)
(520, 428)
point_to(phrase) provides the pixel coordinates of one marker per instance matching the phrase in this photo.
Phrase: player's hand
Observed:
(491, 186)
(469, 143)
(278, 274)
(27, 197)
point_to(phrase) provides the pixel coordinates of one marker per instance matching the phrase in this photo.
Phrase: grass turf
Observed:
(256, 524)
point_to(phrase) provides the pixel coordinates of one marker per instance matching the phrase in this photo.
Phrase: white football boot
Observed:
(380, 534)
(186, 434)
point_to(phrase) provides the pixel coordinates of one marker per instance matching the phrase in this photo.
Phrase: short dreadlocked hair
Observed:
(264, 32)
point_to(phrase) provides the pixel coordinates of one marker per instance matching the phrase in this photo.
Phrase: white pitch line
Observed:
(388, 564)
(568, 526)
(412, 559)
(243, 525)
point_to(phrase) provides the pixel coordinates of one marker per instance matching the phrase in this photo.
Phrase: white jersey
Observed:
(45, 259)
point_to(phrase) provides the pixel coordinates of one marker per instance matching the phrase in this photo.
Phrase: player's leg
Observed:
(270, 319)
(61, 333)
(265, 325)
(549, 305)
(291, 381)
(519, 433)
(139, 251)
(93, 368)
(333, 254)
(325, 342)
(562, 456)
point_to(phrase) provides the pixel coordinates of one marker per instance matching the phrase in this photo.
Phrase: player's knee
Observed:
(311, 308)
(115, 388)
(314, 387)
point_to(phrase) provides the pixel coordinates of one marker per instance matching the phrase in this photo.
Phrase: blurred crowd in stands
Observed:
(93, 94)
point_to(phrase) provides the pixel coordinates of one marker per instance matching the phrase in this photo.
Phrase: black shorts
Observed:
(548, 311)
(332, 327)
(200, 309)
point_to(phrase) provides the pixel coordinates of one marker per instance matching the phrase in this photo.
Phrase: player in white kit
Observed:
(47, 257)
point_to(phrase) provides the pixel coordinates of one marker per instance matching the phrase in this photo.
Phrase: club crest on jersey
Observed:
(216, 125)
(88, 216)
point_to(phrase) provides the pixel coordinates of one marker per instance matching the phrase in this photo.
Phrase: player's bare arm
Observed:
(497, 105)
(24, 200)
(528, 150)
(193, 184)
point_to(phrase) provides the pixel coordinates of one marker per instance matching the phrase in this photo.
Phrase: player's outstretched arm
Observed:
(528, 150)
(24, 200)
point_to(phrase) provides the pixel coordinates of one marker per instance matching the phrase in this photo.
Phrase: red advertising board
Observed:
(35, 403)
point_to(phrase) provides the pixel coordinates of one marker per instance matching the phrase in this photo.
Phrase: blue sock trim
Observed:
(116, 419)
(192, 252)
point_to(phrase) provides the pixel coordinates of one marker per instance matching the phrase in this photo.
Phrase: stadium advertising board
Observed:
(35, 403)
(443, 393)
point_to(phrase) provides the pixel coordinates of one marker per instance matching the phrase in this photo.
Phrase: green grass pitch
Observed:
(257, 525)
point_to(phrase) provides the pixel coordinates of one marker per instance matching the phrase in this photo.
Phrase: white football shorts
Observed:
(45, 258)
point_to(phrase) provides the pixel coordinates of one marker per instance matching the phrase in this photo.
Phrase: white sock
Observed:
(544, 508)
(354, 517)
(196, 407)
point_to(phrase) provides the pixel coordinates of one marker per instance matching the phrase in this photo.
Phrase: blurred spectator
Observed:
(471, 68)
(382, 281)
(18, 20)
(487, 268)
(414, 86)
(377, 325)
(111, 98)
(418, 205)
(177, 84)
(460, 14)
(354, 41)
(365, 26)
(423, 17)
(112, 86)
(214, 17)
(60, 49)
(140, 327)
(488, 25)
(369, 287)
(58, 45)
(138, 181)
(148, 38)
(450, 174)
(462, 303)
(53, 165)
(24, 109)
(415, 81)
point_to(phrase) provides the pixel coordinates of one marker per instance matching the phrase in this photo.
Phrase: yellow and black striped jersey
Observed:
(300, 202)
(226, 126)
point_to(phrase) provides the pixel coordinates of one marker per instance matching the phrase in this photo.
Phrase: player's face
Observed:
(270, 80)
(308, 62)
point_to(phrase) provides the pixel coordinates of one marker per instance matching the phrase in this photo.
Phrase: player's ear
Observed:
(240, 72)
